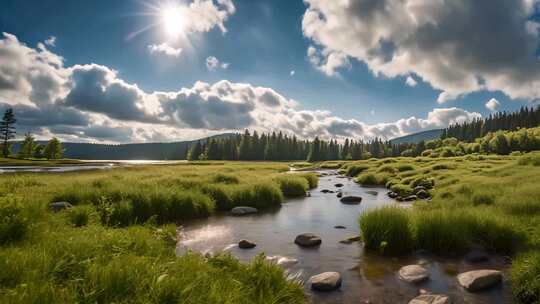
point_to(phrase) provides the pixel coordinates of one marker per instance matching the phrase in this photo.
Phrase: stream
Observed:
(367, 278)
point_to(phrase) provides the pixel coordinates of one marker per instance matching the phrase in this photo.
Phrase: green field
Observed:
(117, 243)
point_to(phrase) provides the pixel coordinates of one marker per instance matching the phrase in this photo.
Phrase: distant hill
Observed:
(417, 137)
(149, 151)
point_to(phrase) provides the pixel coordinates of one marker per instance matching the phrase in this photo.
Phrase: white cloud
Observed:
(212, 64)
(292, 73)
(165, 49)
(91, 103)
(204, 15)
(492, 104)
(410, 81)
(51, 41)
(426, 38)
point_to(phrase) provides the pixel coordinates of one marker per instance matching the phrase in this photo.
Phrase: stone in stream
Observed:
(413, 273)
(351, 240)
(431, 299)
(326, 281)
(392, 194)
(242, 210)
(476, 256)
(410, 198)
(418, 189)
(479, 279)
(282, 260)
(372, 192)
(351, 200)
(245, 244)
(340, 227)
(327, 191)
(339, 194)
(59, 206)
(423, 194)
(307, 240)
(338, 185)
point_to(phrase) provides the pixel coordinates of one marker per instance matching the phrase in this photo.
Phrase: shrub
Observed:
(354, 170)
(79, 215)
(387, 230)
(225, 179)
(13, 223)
(525, 278)
(293, 186)
(312, 179)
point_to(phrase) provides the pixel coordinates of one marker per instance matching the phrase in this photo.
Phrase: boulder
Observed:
(372, 192)
(245, 244)
(351, 240)
(340, 227)
(59, 206)
(392, 194)
(410, 198)
(326, 281)
(476, 256)
(243, 210)
(431, 299)
(479, 279)
(307, 240)
(413, 273)
(339, 195)
(423, 194)
(338, 185)
(419, 188)
(351, 200)
(327, 191)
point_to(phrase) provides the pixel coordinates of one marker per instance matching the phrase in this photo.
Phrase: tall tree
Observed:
(54, 149)
(27, 146)
(7, 130)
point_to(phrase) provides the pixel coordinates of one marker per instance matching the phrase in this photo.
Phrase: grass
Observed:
(116, 245)
(478, 200)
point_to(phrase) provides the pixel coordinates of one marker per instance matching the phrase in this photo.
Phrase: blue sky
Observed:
(261, 42)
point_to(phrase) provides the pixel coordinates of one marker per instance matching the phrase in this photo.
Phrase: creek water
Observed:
(367, 278)
(90, 165)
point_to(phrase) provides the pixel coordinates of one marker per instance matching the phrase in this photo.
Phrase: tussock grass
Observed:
(13, 222)
(354, 170)
(525, 278)
(387, 231)
(293, 186)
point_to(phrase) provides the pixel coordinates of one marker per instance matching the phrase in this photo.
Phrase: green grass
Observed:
(387, 231)
(116, 246)
(525, 278)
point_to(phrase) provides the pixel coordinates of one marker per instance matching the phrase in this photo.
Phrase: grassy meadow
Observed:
(118, 242)
(478, 200)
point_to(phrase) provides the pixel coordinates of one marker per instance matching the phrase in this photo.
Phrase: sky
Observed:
(168, 70)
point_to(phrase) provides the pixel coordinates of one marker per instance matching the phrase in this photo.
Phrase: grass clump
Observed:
(312, 179)
(387, 230)
(530, 160)
(225, 179)
(405, 167)
(13, 222)
(402, 190)
(293, 186)
(387, 169)
(525, 278)
(354, 170)
(261, 195)
(372, 179)
(483, 199)
(79, 216)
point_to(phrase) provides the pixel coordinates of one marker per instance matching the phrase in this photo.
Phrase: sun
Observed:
(172, 18)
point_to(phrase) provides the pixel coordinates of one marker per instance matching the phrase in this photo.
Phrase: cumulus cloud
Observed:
(411, 82)
(164, 49)
(492, 104)
(91, 102)
(292, 72)
(457, 46)
(212, 64)
(204, 15)
(51, 41)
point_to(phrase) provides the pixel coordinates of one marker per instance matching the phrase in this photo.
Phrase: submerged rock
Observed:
(419, 188)
(327, 191)
(245, 244)
(476, 256)
(326, 281)
(410, 198)
(307, 240)
(351, 200)
(242, 210)
(392, 194)
(479, 279)
(338, 185)
(340, 194)
(423, 194)
(351, 240)
(340, 227)
(282, 260)
(431, 299)
(413, 273)
(59, 206)
(372, 192)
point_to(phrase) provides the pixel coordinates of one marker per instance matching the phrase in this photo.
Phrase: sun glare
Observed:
(173, 21)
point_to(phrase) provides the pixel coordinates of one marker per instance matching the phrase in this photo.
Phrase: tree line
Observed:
(469, 131)
(29, 147)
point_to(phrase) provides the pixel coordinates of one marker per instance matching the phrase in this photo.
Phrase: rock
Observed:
(479, 279)
(413, 273)
(338, 185)
(431, 299)
(327, 191)
(243, 210)
(59, 206)
(245, 244)
(418, 189)
(423, 194)
(339, 194)
(476, 256)
(392, 194)
(340, 227)
(307, 240)
(282, 261)
(351, 240)
(410, 198)
(326, 281)
(372, 192)
(351, 200)
(308, 194)
(399, 198)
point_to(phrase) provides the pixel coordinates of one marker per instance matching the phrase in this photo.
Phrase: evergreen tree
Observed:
(54, 149)
(7, 130)
(195, 151)
(27, 146)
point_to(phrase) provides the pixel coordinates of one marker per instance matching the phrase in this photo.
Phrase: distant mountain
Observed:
(417, 137)
(149, 151)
